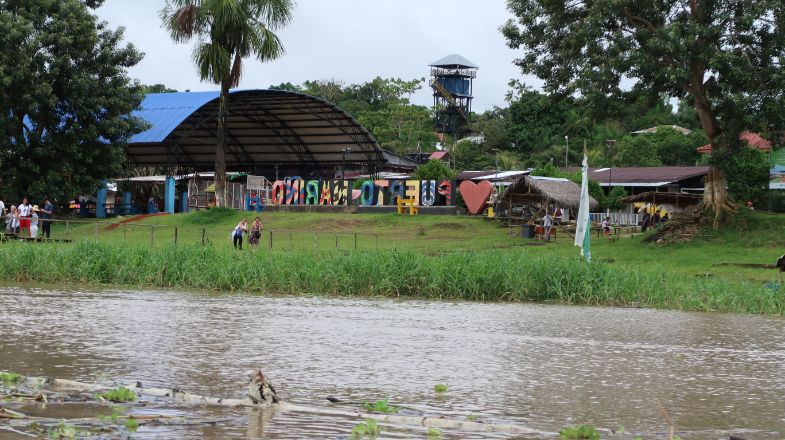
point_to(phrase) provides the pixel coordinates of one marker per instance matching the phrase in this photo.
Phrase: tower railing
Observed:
(442, 71)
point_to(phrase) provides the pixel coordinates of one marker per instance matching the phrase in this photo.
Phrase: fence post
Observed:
(271, 239)
(355, 241)
(152, 234)
(95, 232)
(336, 241)
(66, 228)
(175, 235)
(377, 242)
(203, 232)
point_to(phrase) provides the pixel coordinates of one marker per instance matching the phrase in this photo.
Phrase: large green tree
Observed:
(65, 98)
(227, 32)
(724, 55)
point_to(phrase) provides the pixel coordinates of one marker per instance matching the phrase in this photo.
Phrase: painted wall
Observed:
(297, 191)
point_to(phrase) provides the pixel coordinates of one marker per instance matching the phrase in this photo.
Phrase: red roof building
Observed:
(439, 155)
(752, 139)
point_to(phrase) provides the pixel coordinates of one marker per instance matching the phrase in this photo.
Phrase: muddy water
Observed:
(542, 366)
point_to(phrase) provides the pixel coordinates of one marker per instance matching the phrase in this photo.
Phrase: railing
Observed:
(67, 230)
(617, 218)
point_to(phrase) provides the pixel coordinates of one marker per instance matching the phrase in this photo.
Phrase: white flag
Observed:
(583, 222)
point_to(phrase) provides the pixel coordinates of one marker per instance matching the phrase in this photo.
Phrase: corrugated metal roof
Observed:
(454, 60)
(641, 176)
(438, 155)
(165, 111)
(264, 128)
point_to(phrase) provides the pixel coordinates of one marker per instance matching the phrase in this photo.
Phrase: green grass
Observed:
(456, 258)
(500, 275)
(581, 432)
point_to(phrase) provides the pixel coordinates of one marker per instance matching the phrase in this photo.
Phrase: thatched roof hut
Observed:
(536, 190)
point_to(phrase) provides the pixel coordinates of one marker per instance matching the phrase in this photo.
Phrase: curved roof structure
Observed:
(264, 127)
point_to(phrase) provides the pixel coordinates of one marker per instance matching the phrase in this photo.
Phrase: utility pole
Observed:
(567, 151)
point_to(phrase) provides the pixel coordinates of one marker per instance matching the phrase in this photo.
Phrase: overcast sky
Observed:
(348, 40)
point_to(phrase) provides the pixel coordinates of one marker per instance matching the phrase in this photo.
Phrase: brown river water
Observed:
(542, 366)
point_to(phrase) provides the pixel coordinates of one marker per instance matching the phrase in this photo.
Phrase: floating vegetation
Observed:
(581, 432)
(434, 433)
(440, 388)
(367, 429)
(11, 378)
(131, 424)
(121, 394)
(381, 406)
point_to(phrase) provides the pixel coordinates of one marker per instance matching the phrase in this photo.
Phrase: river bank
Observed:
(507, 275)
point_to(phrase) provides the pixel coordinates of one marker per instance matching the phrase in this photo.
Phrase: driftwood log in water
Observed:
(261, 394)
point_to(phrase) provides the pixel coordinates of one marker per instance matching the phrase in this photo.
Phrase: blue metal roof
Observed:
(165, 111)
(454, 60)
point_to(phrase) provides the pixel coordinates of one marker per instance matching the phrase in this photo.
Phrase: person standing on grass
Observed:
(25, 211)
(46, 214)
(256, 232)
(237, 234)
(10, 219)
(34, 222)
(606, 227)
(645, 220)
(547, 223)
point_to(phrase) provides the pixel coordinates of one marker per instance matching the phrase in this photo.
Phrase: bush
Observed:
(434, 170)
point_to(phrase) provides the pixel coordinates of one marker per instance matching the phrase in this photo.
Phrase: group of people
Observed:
(254, 234)
(654, 220)
(24, 220)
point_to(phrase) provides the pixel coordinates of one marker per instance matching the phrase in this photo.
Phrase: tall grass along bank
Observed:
(506, 275)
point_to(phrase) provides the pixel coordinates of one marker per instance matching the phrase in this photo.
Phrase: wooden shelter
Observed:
(528, 197)
(673, 202)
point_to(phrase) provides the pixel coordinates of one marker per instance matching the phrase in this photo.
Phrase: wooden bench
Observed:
(539, 232)
(407, 203)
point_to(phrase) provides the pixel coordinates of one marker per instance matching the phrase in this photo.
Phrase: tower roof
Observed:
(454, 60)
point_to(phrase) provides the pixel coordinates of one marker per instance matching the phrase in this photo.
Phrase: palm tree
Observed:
(226, 32)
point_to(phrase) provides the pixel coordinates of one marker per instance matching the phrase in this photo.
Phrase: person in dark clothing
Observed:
(46, 215)
(645, 220)
(655, 220)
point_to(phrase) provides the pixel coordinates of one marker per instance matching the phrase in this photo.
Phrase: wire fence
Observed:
(66, 230)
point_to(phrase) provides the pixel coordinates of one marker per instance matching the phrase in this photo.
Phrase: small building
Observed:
(751, 138)
(529, 196)
(443, 156)
(651, 130)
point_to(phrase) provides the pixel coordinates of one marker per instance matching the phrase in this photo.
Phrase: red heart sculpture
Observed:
(476, 195)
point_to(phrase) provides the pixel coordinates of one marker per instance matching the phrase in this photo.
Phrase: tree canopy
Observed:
(383, 106)
(66, 99)
(725, 56)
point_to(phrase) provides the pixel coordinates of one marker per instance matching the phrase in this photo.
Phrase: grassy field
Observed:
(425, 256)
(754, 238)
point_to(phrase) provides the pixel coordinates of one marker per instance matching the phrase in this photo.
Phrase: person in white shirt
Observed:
(547, 224)
(25, 211)
(606, 227)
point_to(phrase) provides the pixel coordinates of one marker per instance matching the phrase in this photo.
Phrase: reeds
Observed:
(503, 275)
